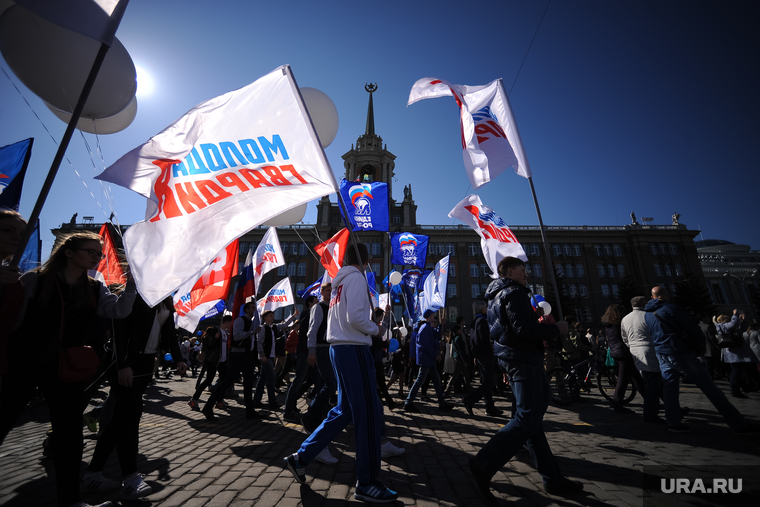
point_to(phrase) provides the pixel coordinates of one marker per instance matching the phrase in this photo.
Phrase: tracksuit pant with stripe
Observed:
(358, 403)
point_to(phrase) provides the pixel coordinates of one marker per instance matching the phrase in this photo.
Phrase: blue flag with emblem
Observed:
(14, 160)
(366, 204)
(314, 289)
(409, 249)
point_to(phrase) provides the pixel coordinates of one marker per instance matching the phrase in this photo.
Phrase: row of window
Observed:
(663, 249)
(442, 249)
(665, 269)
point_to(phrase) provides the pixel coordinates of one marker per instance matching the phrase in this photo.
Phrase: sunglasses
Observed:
(92, 252)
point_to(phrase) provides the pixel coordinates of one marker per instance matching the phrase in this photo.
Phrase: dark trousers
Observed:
(237, 363)
(64, 400)
(652, 393)
(485, 390)
(302, 369)
(380, 377)
(210, 369)
(123, 430)
(627, 372)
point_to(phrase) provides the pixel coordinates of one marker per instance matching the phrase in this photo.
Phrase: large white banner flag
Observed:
(268, 256)
(279, 296)
(490, 139)
(225, 167)
(496, 238)
(433, 296)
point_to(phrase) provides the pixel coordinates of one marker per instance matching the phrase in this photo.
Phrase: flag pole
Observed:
(521, 149)
(60, 153)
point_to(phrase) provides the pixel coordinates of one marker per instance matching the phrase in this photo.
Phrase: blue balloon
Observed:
(168, 357)
(199, 333)
(393, 346)
(535, 300)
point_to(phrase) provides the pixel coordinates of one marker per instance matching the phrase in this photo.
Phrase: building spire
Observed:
(370, 88)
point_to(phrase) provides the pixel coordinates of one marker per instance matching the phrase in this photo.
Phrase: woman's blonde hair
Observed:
(722, 319)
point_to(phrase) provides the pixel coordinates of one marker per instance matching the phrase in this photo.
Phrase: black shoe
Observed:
(392, 405)
(482, 482)
(291, 415)
(494, 412)
(296, 468)
(655, 420)
(620, 409)
(307, 425)
(739, 395)
(258, 404)
(680, 428)
(253, 416)
(274, 407)
(445, 407)
(468, 404)
(408, 407)
(567, 487)
(209, 413)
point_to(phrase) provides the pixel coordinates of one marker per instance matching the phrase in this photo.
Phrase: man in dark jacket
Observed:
(481, 348)
(428, 353)
(667, 323)
(519, 348)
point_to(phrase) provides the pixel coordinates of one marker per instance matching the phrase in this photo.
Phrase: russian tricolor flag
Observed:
(245, 288)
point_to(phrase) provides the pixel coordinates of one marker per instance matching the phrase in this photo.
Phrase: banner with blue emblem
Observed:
(367, 205)
(409, 249)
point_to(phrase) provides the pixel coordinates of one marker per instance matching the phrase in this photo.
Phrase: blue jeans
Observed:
(266, 377)
(302, 368)
(358, 403)
(321, 402)
(432, 371)
(671, 366)
(532, 393)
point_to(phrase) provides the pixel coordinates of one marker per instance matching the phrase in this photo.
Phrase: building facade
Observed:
(732, 275)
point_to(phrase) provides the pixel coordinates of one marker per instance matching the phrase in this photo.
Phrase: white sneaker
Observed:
(135, 487)
(95, 481)
(85, 504)
(388, 450)
(326, 458)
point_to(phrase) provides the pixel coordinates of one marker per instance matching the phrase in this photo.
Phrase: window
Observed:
(539, 289)
(472, 249)
(573, 290)
(300, 286)
(484, 288)
(453, 313)
(537, 270)
(667, 270)
(377, 249)
(617, 250)
(431, 248)
(556, 249)
(284, 248)
(621, 270)
(588, 316)
(611, 271)
(303, 249)
(657, 270)
(679, 271)
(451, 290)
(397, 218)
(653, 248)
(475, 287)
(376, 269)
(673, 249)
(335, 217)
(526, 247)
(570, 271)
(576, 250)
(583, 290)
(452, 269)
(598, 250)
(579, 270)
(567, 249)
(663, 248)
(607, 250)
(301, 269)
(605, 291)
(292, 269)
(485, 270)
(672, 287)
(600, 268)
(281, 271)
(474, 271)
(559, 269)
(451, 249)
(439, 248)
(615, 291)
(528, 270)
(535, 249)
(294, 248)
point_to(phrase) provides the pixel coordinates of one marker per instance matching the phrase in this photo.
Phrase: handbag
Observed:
(610, 361)
(201, 357)
(77, 364)
(729, 341)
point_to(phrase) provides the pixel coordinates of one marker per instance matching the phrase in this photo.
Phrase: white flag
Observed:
(227, 166)
(279, 296)
(490, 139)
(496, 238)
(97, 19)
(434, 295)
(268, 256)
(384, 300)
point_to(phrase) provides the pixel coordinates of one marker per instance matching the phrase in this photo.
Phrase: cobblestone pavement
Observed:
(191, 462)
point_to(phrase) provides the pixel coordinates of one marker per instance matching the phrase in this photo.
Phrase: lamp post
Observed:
(742, 279)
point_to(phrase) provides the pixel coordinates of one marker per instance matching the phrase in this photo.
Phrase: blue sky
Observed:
(645, 106)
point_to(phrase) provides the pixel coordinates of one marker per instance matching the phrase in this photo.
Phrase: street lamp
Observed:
(747, 274)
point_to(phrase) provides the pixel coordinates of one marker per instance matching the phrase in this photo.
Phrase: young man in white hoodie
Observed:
(349, 332)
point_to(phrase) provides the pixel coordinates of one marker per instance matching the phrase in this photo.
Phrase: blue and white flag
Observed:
(14, 160)
(314, 289)
(32, 254)
(435, 286)
(409, 249)
(215, 310)
(367, 205)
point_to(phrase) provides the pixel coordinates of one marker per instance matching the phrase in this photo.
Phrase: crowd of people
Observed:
(345, 357)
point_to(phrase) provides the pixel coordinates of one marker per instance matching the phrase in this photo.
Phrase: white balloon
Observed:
(403, 331)
(323, 113)
(101, 126)
(546, 306)
(395, 278)
(54, 63)
(290, 217)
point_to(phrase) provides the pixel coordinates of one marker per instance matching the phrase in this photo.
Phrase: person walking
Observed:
(428, 354)
(627, 372)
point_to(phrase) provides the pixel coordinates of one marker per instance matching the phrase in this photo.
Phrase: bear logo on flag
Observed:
(408, 244)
